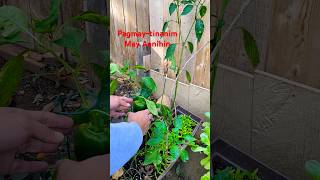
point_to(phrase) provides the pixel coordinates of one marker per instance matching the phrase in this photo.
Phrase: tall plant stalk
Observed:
(188, 7)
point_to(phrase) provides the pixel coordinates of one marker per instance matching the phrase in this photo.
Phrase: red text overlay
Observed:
(157, 43)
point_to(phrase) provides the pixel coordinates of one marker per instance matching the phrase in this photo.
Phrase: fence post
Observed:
(97, 34)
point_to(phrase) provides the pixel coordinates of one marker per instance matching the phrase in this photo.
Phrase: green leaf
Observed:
(98, 70)
(312, 167)
(174, 152)
(187, 2)
(10, 77)
(125, 67)
(199, 28)
(198, 149)
(165, 26)
(170, 56)
(114, 68)
(203, 10)
(172, 8)
(205, 163)
(71, 38)
(207, 115)
(152, 107)
(149, 84)
(48, 24)
(184, 156)
(15, 38)
(154, 141)
(251, 48)
(205, 138)
(160, 128)
(187, 10)
(188, 76)
(178, 122)
(190, 45)
(132, 74)
(206, 176)
(139, 104)
(113, 86)
(13, 21)
(152, 157)
(189, 138)
(170, 51)
(206, 128)
(166, 112)
(93, 17)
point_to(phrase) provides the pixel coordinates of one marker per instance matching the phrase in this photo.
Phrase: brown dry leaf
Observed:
(164, 100)
(49, 107)
(118, 174)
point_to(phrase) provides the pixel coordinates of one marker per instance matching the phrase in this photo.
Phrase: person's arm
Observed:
(125, 141)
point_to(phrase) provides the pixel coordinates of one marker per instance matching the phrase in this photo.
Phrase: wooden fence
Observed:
(272, 112)
(286, 33)
(150, 15)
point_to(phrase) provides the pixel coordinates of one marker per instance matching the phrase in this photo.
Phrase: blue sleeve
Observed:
(125, 141)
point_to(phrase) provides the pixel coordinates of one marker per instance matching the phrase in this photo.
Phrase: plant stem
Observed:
(181, 54)
(74, 76)
(65, 64)
(180, 57)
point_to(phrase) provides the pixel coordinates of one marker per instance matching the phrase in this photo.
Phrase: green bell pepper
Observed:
(88, 142)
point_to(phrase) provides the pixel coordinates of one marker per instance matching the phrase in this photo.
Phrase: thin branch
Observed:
(226, 33)
(235, 20)
(187, 62)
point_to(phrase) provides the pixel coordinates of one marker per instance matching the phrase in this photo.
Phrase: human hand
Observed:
(142, 118)
(29, 131)
(119, 105)
(93, 168)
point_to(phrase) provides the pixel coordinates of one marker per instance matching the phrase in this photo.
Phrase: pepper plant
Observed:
(91, 137)
(164, 145)
(169, 133)
(125, 74)
(204, 147)
(164, 142)
(182, 8)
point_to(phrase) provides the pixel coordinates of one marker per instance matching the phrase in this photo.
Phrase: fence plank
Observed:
(294, 41)
(193, 98)
(143, 21)
(130, 21)
(156, 22)
(286, 124)
(97, 34)
(202, 65)
(117, 23)
(232, 104)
